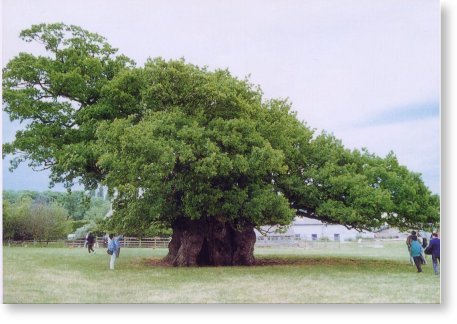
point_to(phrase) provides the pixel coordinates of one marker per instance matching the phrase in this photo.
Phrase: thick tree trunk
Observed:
(210, 242)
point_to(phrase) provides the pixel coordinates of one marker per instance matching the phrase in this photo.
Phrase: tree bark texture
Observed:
(210, 242)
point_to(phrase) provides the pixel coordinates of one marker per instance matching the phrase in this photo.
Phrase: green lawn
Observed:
(350, 273)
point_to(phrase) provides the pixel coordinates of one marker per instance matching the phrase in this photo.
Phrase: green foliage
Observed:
(358, 189)
(77, 224)
(97, 209)
(56, 96)
(9, 226)
(29, 220)
(257, 164)
(48, 222)
(78, 204)
(173, 140)
(37, 215)
(157, 230)
(182, 162)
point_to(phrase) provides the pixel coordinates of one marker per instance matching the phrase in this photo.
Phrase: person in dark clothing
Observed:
(434, 250)
(408, 244)
(90, 242)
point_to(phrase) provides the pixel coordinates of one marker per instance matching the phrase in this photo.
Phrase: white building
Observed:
(312, 230)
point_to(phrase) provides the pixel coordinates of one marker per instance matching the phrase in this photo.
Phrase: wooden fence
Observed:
(162, 242)
(148, 242)
(128, 242)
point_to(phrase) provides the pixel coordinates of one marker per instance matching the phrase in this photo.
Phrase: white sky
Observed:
(366, 70)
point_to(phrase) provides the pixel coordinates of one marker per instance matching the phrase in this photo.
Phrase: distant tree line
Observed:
(49, 215)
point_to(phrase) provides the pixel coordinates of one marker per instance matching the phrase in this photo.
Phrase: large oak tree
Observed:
(196, 150)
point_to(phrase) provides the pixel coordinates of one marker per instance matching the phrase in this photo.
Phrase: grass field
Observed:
(351, 273)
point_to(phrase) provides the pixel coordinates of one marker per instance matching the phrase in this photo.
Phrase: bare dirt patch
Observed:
(269, 261)
(156, 263)
(277, 261)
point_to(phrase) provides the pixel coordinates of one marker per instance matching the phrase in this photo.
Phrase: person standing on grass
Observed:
(423, 242)
(416, 253)
(408, 244)
(115, 246)
(90, 242)
(434, 250)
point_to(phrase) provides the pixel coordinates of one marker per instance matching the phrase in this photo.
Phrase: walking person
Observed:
(408, 244)
(90, 238)
(423, 242)
(434, 250)
(416, 253)
(114, 247)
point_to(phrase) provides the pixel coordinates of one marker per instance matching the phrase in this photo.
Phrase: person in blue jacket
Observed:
(416, 252)
(115, 246)
(434, 250)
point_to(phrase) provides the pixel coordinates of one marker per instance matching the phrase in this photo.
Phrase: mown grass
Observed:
(348, 274)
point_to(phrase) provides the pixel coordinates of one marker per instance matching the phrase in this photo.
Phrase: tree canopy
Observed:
(56, 97)
(172, 140)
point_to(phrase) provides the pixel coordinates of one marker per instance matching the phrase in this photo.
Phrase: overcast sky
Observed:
(367, 71)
